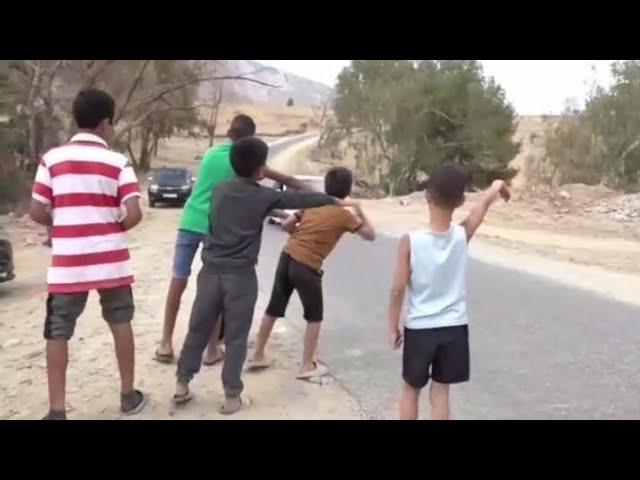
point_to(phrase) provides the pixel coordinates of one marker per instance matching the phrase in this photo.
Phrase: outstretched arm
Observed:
(400, 281)
(497, 189)
(291, 200)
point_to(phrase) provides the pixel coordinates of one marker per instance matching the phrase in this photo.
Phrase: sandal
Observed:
(163, 357)
(133, 402)
(253, 365)
(179, 400)
(320, 371)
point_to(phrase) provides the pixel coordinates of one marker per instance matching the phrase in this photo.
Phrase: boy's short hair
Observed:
(242, 126)
(248, 155)
(91, 106)
(446, 185)
(338, 182)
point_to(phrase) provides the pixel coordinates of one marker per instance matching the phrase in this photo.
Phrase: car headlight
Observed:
(153, 188)
(184, 188)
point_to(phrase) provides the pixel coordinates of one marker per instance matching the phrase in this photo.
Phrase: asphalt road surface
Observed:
(539, 350)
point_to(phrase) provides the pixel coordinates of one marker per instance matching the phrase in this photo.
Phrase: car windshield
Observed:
(171, 176)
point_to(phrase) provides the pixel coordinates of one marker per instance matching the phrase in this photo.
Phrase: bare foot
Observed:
(232, 405)
(210, 359)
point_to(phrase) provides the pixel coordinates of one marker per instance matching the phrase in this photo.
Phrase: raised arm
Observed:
(292, 200)
(400, 282)
(497, 189)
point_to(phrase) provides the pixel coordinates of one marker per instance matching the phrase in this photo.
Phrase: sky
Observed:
(534, 87)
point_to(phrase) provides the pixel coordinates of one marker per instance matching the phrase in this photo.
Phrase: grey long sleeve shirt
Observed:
(238, 210)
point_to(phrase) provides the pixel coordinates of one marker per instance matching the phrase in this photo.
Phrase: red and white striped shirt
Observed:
(86, 184)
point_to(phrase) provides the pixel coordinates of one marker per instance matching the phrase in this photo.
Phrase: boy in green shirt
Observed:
(194, 227)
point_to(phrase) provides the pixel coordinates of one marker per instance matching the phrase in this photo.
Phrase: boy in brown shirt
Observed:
(314, 234)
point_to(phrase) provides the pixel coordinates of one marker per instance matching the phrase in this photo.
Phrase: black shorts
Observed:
(290, 275)
(63, 310)
(439, 353)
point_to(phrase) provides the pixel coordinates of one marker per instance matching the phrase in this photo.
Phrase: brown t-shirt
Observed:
(318, 233)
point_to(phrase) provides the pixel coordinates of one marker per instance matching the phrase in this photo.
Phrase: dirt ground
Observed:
(553, 234)
(93, 385)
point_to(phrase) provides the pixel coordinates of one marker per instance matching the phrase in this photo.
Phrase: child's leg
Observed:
(308, 282)
(171, 308)
(57, 361)
(409, 402)
(266, 326)
(205, 313)
(240, 295)
(311, 336)
(418, 353)
(439, 400)
(450, 365)
(63, 311)
(187, 244)
(117, 310)
(213, 354)
(280, 295)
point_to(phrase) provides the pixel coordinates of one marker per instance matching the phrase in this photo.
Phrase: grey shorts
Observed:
(63, 310)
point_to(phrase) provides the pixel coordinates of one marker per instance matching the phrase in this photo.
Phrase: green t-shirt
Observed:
(214, 168)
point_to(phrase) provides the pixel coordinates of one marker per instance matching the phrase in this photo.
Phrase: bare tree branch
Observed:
(92, 76)
(132, 89)
(187, 83)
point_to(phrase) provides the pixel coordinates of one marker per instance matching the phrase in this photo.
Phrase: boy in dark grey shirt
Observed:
(227, 282)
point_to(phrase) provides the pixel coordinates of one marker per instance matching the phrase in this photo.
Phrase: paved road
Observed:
(540, 350)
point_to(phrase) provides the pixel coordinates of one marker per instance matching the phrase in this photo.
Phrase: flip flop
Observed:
(254, 365)
(179, 400)
(319, 371)
(215, 362)
(163, 357)
(245, 402)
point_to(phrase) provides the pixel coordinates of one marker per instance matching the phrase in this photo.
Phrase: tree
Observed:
(602, 142)
(421, 114)
(154, 99)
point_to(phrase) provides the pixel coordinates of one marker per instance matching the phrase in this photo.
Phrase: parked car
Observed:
(6, 261)
(170, 185)
(316, 183)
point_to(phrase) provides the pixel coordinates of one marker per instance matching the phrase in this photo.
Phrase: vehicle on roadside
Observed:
(6, 261)
(315, 182)
(170, 185)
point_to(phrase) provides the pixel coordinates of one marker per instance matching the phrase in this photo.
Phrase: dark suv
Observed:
(6, 261)
(169, 185)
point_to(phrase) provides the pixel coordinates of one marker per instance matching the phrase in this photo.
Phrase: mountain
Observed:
(303, 91)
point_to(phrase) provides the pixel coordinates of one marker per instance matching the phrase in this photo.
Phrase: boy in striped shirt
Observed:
(89, 196)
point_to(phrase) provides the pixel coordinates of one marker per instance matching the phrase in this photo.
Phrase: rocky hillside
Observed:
(303, 91)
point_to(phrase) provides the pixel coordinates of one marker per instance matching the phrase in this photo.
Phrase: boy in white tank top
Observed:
(431, 266)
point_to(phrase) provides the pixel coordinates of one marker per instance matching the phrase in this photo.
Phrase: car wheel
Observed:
(152, 203)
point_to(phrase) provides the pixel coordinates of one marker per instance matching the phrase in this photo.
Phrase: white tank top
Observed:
(438, 285)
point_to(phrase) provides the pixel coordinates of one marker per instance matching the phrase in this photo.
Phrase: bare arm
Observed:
(134, 213)
(39, 213)
(473, 221)
(366, 231)
(288, 180)
(289, 225)
(400, 281)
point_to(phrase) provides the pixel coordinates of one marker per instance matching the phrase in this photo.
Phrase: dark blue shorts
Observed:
(187, 245)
